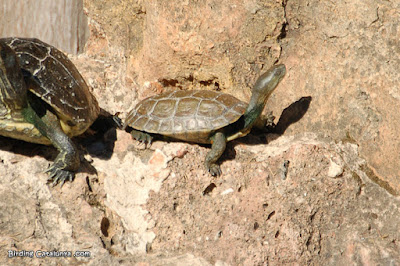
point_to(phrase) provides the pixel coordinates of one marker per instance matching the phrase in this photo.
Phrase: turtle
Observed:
(44, 100)
(202, 116)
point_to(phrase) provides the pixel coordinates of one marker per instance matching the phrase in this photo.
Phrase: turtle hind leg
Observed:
(142, 137)
(67, 161)
(217, 149)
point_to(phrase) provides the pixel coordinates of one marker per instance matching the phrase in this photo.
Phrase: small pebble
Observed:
(335, 170)
(225, 192)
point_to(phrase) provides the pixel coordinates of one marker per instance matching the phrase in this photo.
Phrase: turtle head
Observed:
(267, 83)
(9, 65)
(12, 85)
(262, 89)
(8, 59)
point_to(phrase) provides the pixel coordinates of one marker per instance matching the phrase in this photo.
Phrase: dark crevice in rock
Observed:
(383, 184)
(169, 82)
(209, 189)
(206, 82)
(104, 226)
(283, 29)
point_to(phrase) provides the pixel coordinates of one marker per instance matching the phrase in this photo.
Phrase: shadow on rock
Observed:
(99, 140)
(292, 114)
(24, 148)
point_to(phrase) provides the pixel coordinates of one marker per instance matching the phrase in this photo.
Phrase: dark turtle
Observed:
(44, 99)
(202, 116)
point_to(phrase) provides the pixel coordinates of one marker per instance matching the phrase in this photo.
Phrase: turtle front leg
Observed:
(265, 123)
(217, 149)
(67, 161)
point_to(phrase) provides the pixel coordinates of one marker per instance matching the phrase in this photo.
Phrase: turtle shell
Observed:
(55, 79)
(186, 115)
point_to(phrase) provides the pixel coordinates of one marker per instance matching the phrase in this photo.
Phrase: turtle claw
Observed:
(269, 122)
(149, 140)
(59, 175)
(145, 142)
(214, 170)
(146, 139)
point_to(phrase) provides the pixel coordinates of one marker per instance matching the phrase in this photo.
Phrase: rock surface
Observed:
(345, 55)
(321, 192)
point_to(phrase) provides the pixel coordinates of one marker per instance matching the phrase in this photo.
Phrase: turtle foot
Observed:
(269, 122)
(142, 137)
(215, 170)
(58, 175)
(64, 167)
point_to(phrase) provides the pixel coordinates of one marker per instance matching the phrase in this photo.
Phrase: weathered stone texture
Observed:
(346, 55)
(194, 43)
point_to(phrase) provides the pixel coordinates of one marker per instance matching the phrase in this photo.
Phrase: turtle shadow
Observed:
(23, 148)
(98, 141)
(290, 115)
(48, 152)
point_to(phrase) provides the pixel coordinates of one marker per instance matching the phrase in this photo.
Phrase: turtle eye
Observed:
(71, 123)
